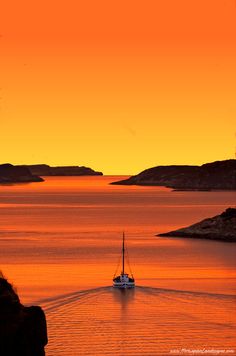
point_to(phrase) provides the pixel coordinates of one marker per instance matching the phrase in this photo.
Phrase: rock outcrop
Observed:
(46, 170)
(16, 174)
(210, 176)
(221, 227)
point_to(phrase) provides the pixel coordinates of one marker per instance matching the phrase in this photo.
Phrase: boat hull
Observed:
(123, 285)
(123, 281)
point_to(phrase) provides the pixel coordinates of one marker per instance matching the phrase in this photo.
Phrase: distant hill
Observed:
(16, 174)
(216, 175)
(221, 227)
(46, 170)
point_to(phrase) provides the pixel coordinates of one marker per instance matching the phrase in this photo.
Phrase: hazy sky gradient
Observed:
(118, 86)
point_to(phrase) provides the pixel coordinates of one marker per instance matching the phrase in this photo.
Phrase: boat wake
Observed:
(153, 290)
(52, 303)
(82, 296)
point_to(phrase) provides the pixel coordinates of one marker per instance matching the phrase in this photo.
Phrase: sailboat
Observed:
(123, 280)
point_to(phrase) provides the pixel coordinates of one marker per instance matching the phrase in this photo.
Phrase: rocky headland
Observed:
(220, 227)
(219, 175)
(16, 174)
(46, 170)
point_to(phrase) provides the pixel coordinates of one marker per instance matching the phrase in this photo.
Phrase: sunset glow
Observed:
(117, 86)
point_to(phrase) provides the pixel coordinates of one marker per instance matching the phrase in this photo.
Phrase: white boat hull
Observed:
(123, 285)
(123, 281)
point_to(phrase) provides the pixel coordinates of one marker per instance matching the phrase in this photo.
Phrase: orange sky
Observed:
(117, 86)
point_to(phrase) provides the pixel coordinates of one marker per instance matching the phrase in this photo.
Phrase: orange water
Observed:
(60, 245)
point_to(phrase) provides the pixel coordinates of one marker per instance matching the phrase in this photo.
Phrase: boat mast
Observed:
(123, 254)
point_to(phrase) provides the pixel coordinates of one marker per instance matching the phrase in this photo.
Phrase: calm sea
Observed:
(60, 245)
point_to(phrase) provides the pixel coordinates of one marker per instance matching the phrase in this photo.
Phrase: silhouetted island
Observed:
(220, 227)
(210, 176)
(46, 170)
(16, 174)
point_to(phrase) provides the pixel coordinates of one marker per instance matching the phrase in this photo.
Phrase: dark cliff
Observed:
(216, 175)
(220, 227)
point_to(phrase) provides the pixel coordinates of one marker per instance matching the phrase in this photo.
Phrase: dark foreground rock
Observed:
(16, 174)
(210, 176)
(46, 170)
(221, 227)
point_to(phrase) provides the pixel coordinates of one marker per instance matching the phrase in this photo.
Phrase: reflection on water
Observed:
(60, 244)
(123, 297)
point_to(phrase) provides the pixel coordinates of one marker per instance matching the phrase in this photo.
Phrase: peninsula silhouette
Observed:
(46, 170)
(219, 175)
(17, 174)
(220, 227)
